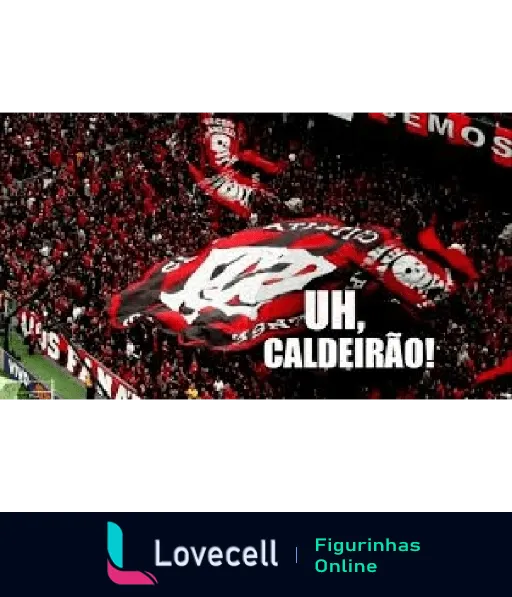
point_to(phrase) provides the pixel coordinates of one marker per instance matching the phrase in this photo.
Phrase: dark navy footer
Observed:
(256, 554)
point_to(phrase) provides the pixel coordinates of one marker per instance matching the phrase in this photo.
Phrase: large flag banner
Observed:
(250, 286)
(221, 140)
(218, 175)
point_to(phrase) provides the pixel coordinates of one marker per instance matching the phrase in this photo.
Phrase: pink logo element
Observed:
(115, 570)
(129, 577)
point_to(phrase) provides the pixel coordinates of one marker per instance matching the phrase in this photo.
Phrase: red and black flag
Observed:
(219, 142)
(220, 175)
(250, 286)
(227, 188)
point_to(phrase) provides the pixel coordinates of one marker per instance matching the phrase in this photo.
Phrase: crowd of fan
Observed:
(89, 201)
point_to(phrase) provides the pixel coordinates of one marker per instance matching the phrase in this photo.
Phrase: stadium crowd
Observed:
(89, 201)
(500, 118)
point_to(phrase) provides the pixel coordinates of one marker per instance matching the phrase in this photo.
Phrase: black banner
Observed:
(494, 140)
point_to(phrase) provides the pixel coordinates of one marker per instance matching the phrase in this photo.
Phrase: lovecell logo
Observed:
(265, 554)
(115, 568)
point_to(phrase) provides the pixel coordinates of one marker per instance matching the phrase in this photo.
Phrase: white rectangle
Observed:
(433, 494)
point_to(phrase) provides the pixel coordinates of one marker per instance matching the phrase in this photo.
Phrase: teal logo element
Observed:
(115, 564)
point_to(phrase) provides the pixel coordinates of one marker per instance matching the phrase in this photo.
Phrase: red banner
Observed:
(460, 121)
(56, 347)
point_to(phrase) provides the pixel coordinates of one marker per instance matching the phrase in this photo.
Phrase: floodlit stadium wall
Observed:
(15, 370)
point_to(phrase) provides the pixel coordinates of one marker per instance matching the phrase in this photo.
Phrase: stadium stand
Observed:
(112, 189)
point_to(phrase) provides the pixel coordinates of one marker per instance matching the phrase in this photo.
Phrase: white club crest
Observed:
(239, 281)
